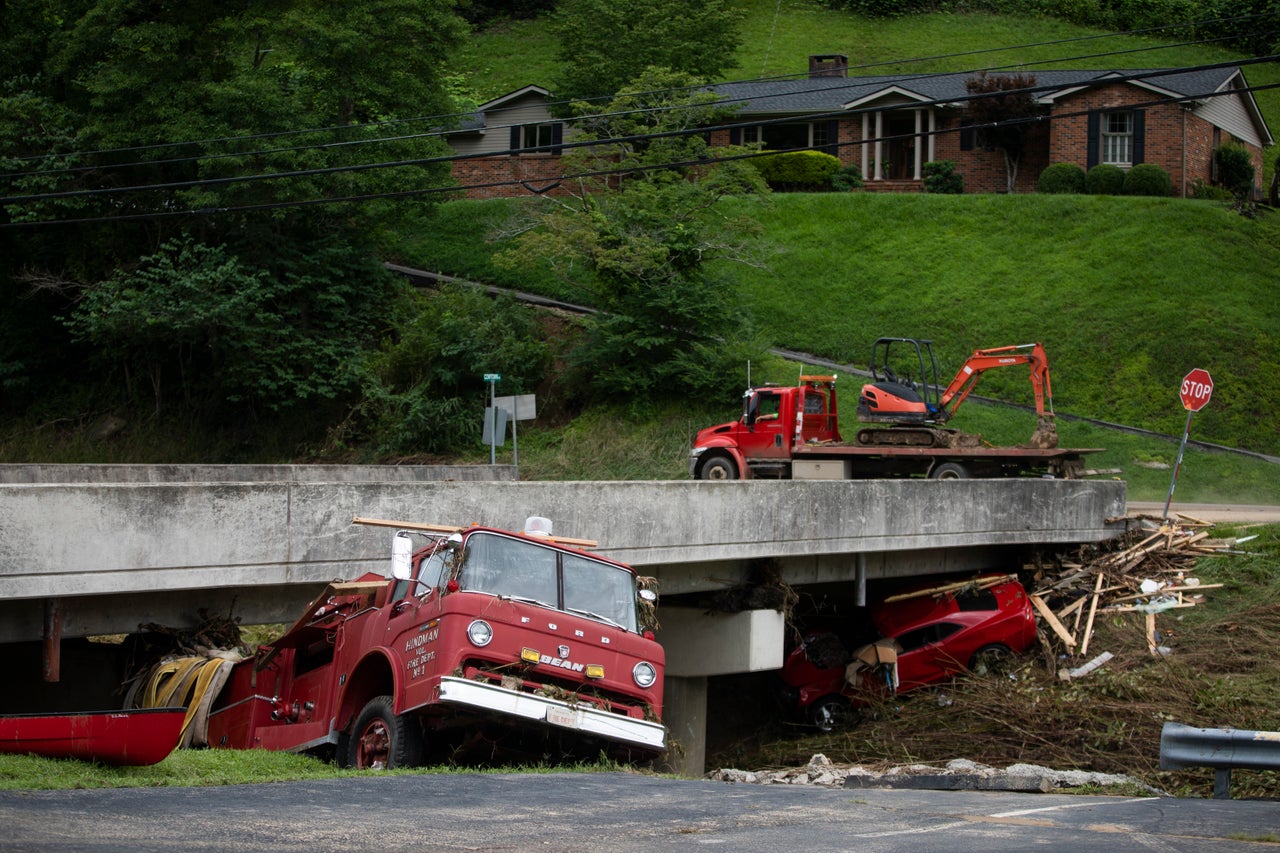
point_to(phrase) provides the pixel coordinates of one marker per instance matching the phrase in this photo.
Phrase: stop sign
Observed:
(1197, 388)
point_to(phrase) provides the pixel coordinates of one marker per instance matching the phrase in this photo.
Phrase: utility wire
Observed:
(636, 138)
(610, 172)
(452, 117)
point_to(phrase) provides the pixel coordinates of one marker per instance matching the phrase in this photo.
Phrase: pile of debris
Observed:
(1147, 571)
(958, 774)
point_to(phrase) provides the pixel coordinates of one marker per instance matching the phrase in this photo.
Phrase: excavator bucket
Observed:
(1046, 435)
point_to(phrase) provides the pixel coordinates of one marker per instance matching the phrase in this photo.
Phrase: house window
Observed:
(1117, 138)
(786, 137)
(542, 135)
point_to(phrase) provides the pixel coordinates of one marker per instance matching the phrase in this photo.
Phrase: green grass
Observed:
(1126, 294)
(211, 767)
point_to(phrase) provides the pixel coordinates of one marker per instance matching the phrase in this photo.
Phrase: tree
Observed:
(646, 233)
(254, 111)
(606, 43)
(1003, 106)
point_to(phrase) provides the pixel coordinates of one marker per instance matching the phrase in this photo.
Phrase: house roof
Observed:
(826, 95)
(475, 122)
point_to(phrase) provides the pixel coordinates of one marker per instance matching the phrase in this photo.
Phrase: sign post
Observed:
(491, 418)
(522, 407)
(1197, 388)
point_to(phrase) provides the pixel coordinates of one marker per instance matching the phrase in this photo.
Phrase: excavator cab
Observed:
(904, 384)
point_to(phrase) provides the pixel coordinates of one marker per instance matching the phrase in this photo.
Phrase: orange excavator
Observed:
(904, 393)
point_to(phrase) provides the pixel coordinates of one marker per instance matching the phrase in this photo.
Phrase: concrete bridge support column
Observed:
(684, 710)
(698, 645)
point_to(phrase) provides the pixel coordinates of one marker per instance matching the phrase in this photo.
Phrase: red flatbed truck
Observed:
(793, 432)
(477, 636)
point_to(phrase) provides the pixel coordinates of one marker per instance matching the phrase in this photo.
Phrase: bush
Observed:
(1209, 192)
(848, 178)
(1235, 169)
(1062, 178)
(1104, 179)
(798, 170)
(1148, 179)
(940, 177)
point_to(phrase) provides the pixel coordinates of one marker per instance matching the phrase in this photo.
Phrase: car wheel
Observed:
(991, 660)
(719, 468)
(383, 740)
(830, 713)
(949, 471)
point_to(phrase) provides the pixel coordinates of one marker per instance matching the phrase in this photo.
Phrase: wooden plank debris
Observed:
(1161, 552)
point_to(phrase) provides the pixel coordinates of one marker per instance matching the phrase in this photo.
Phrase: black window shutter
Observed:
(1093, 130)
(966, 136)
(515, 137)
(735, 136)
(557, 136)
(1139, 136)
(833, 138)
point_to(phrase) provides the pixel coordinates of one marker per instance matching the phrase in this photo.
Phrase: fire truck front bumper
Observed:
(543, 709)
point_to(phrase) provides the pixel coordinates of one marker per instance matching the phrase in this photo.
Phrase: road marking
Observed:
(1001, 817)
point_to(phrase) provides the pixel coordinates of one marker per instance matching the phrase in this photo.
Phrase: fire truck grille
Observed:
(564, 689)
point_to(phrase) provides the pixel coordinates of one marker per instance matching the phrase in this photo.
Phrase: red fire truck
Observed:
(478, 636)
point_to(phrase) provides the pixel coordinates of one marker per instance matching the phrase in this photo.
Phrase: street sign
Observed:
(493, 377)
(523, 407)
(1197, 388)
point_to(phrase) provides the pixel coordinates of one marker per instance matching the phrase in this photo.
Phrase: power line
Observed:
(446, 118)
(426, 161)
(611, 172)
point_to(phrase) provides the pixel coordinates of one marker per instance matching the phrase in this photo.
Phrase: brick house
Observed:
(890, 126)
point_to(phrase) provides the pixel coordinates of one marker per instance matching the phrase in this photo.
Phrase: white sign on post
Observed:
(519, 407)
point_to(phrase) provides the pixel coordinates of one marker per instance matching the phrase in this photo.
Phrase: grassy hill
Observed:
(1127, 295)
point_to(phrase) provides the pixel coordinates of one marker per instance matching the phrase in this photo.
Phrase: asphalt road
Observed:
(1217, 513)
(615, 811)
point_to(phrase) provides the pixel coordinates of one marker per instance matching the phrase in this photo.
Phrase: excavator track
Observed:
(916, 436)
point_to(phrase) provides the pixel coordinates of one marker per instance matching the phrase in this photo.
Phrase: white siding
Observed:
(1229, 113)
(497, 126)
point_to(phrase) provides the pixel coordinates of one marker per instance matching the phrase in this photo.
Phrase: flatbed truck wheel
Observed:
(718, 467)
(949, 471)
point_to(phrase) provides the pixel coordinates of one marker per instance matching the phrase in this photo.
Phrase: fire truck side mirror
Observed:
(401, 556)
(648, 595)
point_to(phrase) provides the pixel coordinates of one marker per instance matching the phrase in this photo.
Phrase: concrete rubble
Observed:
(958, 774)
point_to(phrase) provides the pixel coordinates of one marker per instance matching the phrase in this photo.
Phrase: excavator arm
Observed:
(1046, 432)
(985, 359)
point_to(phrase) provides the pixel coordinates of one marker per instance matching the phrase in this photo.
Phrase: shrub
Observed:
(940, 177)
(1235, 168)
(1209, 192)
(1104, 179)
(1062, 178)
(797, 170)
(848, 178)
(1148, 179)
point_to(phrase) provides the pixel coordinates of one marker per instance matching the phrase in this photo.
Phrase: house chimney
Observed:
(828, 65)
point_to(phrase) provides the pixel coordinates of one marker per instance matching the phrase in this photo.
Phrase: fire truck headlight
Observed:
(644, 674)
(479, 633)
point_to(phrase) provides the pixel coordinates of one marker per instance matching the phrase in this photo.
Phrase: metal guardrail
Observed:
(1182, 747)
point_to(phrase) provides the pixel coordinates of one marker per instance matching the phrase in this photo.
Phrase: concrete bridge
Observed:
(88, 550)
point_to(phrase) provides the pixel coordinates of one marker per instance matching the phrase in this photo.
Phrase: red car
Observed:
(923, 639)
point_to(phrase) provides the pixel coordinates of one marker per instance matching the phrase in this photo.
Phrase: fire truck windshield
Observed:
(517, 568)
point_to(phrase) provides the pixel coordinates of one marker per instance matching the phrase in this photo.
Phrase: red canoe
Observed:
(133, 738)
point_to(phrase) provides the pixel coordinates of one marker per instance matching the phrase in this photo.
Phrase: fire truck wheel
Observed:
(381, 740)
(719, 468)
